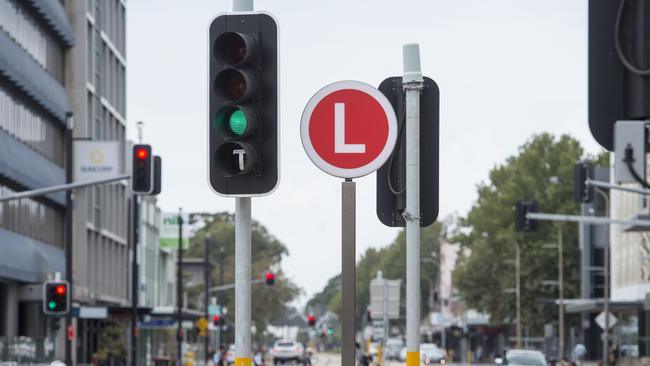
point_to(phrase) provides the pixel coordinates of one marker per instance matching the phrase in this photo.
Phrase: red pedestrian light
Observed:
(270, 278)
(311, 320)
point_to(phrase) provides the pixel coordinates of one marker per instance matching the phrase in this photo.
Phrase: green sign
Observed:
(214, 309)
(169, 231)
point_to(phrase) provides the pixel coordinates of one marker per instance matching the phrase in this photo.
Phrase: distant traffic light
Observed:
(56, 297)
(216, 320)
(269, 277)
(522, 223)
(243, 105)
(582, 192)
(311, 320)
(142, 170)
(391, 178)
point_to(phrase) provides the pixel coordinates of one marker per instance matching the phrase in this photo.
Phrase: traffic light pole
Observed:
(68, 232)
(206, 273)
(179, 290)
(413, 85)
(242, 281)
(134, 282)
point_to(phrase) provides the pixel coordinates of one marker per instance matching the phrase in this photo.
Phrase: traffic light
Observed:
(311, 320)
(56, 297)
(391, 178)
(582, 192)
(521, 222)
(269, 277)
(157, 175)
(142, 171)
(619, 51)
(216, 320)
(243, 123)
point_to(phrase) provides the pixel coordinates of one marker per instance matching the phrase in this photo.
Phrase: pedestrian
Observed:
(220, 356)
(357, 354)
(579, 353)
(258, 359)
(307, 360)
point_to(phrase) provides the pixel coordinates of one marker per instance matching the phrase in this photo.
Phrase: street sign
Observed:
(600, 320)
(384, 293)
(214, 309)
(348, 129)
(202, 324)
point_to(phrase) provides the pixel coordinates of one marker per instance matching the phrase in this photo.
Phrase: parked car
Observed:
(286, 350)
(525, 357)
(393, 348)
(402, 354)
(432, 354)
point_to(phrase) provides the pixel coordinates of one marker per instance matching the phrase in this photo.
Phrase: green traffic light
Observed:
(237, 122)
(51, 305)
(330, 331)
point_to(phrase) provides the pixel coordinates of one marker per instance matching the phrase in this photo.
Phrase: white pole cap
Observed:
(412, 69)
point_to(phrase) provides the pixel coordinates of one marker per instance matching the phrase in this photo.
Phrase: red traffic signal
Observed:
(56, 297)
(142, 170)
(311, 320)
(141, 153)
(60, 290)
(269, 277)
(216, 320)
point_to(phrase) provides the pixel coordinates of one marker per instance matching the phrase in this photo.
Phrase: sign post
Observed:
(348, 129)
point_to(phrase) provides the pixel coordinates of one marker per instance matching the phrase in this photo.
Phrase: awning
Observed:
(596, 305)
(52, 12)
(28, 76)
(27, 260)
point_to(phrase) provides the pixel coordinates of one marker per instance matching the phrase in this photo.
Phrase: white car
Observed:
(432, 354)
(287, 350)
(525, 357)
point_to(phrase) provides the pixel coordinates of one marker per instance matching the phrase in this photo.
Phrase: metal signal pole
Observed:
(68, 232)
(179, 290)
(413, 84)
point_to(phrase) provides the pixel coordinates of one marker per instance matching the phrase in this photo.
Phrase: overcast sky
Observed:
(506, 70)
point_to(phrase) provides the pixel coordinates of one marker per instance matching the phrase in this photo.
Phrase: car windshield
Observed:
(523, 359)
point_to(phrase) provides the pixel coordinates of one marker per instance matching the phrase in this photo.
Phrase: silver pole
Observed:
(560, 269)
(518, 292)
(606, 280)
(585, 219)
(348, 275)
(600, 184)
(413, 84)
(243, 281)
(385, 310)
(62, 187)
(242, 5)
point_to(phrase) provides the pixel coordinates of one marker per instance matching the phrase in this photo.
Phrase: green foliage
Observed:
(391, 260)
(268, 303)
(111, 347)
(488, 232)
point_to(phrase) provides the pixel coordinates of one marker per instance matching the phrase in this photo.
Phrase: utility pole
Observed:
(413, 83)
(560, 268)
(206, 283)
(518, 291)
(68, 232)
(179, 290)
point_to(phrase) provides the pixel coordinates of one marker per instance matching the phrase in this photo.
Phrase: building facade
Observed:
(96, 88)
(35, 39)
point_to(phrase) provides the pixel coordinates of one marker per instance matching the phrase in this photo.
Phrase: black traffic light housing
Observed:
(157, 175)
(142, 170)
(311, 321)
(269, 278)
(582, 192)
(391, 178)
(521, 222)
(56, 297)
(217, 320)
(243, 123)
(615, 91)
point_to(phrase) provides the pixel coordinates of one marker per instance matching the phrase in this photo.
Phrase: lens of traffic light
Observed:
(234, 49)
(234, 85)
(60, 290)
(235, 158)
(236, 121)
(141, 153)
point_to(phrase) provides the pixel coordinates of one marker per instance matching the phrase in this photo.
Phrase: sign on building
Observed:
(94, 160)
(169, 231)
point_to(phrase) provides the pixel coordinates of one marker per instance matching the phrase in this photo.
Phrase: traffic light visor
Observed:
(234, 48)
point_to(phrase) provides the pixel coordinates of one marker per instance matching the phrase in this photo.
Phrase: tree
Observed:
(268, 303)
(488, 232)
(391, 260)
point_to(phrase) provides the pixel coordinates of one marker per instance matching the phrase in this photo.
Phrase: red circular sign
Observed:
(348, 129)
